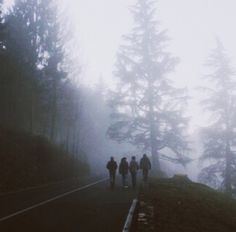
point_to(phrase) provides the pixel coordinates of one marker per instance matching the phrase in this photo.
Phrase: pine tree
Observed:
(147, 108)
(20, 55)
(219, 136)
(32, 58)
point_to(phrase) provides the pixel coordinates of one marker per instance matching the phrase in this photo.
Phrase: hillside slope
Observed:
(181, 205)
(27, 160)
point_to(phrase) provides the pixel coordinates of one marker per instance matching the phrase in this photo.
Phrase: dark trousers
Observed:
(124, 179)
(145, 175)
(133, 179)
(112, 179)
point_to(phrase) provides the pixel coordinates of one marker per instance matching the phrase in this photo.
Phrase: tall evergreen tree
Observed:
(32, 59)
(53, 46)
(147, 108)
(219, 136)
(20, 56)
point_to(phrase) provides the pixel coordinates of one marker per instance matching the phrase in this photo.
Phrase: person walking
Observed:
(133, 168)
(112, 166)
(123, 170)
(145, 165)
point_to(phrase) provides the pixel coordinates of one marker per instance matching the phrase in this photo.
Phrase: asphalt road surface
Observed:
(68, 207)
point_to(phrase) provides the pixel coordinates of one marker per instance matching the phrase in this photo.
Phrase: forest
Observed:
(55, 126)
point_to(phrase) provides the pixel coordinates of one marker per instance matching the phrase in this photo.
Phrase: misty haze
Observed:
(117, 115)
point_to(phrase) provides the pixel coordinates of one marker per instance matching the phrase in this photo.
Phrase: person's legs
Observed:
(112, 179)
(124, 181)
(133, 177)
(145, 175)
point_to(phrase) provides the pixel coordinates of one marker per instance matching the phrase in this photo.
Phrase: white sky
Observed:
(192, 26)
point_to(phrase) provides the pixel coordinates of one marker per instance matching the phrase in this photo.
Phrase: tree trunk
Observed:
(155, 156)
(228, 181)
(68, 139)
(54, 111)
(154, 152)
(31, 129)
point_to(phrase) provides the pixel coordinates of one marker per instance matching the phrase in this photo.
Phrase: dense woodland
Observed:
(42, 96)
(40, 92)
(36, 94)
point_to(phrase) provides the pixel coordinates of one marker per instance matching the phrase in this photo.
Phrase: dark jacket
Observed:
(112, 166)
(123, 167)
(145, 163)
(133, 166)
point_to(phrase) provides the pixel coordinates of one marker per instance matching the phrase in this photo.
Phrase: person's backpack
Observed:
(145, 163)
(111, 166)
(133, 167)
(123, 167)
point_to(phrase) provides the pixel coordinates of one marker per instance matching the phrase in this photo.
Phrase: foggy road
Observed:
(92, 207)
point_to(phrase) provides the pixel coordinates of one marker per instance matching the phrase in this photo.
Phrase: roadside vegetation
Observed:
(28, 161)
(182, 205)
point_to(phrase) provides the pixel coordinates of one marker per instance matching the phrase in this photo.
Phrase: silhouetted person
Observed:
(112, 166)
(145, 165)
(133, 168)
(123, 170)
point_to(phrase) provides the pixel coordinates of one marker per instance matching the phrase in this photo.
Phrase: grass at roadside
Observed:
(181, 205)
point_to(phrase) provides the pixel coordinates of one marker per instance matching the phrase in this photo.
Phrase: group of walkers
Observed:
(124, 168)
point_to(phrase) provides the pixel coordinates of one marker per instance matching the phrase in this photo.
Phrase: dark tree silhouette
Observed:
(36, 77)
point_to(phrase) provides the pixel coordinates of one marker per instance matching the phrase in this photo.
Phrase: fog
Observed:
(102, 78)
(193, 27)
